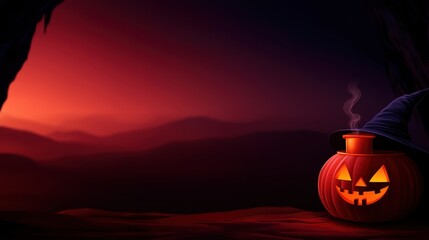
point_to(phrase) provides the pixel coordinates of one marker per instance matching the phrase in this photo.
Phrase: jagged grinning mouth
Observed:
(361, 198)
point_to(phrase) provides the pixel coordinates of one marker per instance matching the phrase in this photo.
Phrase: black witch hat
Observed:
(390, 126)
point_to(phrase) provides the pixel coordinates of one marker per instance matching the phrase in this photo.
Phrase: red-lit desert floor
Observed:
(255, 223)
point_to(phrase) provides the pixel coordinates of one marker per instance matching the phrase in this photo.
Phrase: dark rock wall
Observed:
(18, 20)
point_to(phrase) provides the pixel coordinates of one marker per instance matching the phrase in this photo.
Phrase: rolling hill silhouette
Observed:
(12, 122)
(192, 165)
(27, 185)
(192, 128)
(172, 182)
(75, 136)
(39, 147)
(59, 144)
(267, 168)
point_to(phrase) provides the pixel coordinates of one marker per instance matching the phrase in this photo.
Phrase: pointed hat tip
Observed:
(390, 124)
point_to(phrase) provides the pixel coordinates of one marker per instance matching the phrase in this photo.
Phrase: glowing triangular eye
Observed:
(343, 173)
(380, 175)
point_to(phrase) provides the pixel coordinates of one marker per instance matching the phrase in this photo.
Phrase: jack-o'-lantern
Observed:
(369, 186)
(365, 185)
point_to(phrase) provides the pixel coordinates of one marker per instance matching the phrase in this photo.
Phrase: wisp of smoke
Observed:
(354, 118)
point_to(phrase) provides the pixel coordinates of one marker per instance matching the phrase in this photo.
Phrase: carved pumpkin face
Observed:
(363, 185)
(363, 191)
(369, 187)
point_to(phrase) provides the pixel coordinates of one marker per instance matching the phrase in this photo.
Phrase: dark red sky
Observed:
(140, 61)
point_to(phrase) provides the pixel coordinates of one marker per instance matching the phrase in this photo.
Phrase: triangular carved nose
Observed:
(360, 183)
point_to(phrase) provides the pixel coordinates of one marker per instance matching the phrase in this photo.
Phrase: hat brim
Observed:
(382, 142)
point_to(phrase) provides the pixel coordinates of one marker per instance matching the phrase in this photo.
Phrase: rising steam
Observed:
(349, 104)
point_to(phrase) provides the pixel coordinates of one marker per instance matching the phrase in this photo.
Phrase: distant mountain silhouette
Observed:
(9, 121)
(10, 163)
(267, 168)
(75, 136)
(277, 168)
(39, 147)
(63, 143)
(193, 128)
(27, 185)
(97, 124)
(185, 129)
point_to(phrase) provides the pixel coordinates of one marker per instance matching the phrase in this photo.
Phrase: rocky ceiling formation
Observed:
(18, 21)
